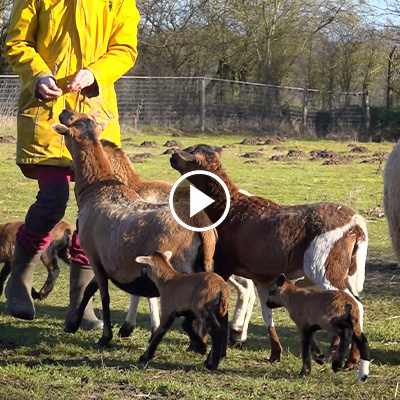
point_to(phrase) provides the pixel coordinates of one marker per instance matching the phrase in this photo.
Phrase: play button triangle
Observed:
(198, 200)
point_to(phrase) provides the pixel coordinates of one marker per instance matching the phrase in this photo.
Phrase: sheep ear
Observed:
(298, 280)
(185, 156)
(103, 123)
(168, 255)
(219, 150)
(281, 280)
(60, 128)
(145, 260)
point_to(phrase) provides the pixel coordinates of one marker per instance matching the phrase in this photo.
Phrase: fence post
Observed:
(202, 103)
(305, 110)
(367, 112)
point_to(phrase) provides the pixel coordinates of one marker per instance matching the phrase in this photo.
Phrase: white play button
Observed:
(198, 201)
(188, 201)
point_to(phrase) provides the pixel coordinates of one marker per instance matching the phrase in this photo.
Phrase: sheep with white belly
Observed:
(203, 296)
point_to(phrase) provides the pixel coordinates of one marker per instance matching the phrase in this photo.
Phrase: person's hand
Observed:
(82, 79)
(46, 88)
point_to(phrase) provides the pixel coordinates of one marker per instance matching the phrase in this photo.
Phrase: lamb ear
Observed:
(60, 128)
(103, 123)
(281, 280)
(168, 254)
(145, 260)
(219, 150)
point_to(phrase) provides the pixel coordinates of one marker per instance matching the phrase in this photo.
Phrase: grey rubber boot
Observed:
(80, 276)
(19, 287)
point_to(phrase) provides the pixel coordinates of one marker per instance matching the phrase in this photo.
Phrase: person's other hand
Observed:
(46, 88)
(82, 79)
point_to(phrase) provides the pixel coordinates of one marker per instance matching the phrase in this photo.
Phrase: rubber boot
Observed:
(19, 287)
(80, 276)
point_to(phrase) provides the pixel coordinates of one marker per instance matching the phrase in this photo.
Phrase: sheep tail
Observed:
(209, 240)
(224, 296)
(356, 276)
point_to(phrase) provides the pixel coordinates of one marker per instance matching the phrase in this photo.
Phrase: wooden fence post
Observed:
(367, 113)
(202, 104)
(305, 110)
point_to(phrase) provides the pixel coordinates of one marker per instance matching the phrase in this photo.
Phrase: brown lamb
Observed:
(334, 311)
(60, 240)
(203, 296)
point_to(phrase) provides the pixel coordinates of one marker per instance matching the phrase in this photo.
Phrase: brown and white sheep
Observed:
(60, 240)
(391, 196)
(203, 297)
(116, 225)
(260, 239)
(156, 191)
(334, 311)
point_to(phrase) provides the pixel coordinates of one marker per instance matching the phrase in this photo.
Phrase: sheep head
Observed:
(68, 117)
(154, 261)
(78, 127)
(198, 157)
(276, 290)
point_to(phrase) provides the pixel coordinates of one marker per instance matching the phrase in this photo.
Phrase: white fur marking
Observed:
(363, 371)
(318, 252)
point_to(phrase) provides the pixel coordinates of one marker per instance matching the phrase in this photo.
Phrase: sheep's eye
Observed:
(272, 292)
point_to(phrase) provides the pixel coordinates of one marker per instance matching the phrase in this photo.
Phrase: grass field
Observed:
(39, 361)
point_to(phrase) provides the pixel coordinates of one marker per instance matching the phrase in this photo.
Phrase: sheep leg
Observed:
(165, 325)
(102, 279)
(345, 339)
(201, 331)
(317, 354)
(53, 270)
(218, 339)
(243, 309)
(5, 271)
(154, 314)
(73, 325)
(130, 320)
(196, 343)
(276, 347)
(306, 340)
(362, 344)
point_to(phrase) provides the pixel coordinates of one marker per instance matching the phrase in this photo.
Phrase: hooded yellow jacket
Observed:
(57, 38)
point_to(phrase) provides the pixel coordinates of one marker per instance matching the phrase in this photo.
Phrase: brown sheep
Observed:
(60, 240)
(158, 192)
(124, 224)
(203, 296)
(334, 311)
(260, 239)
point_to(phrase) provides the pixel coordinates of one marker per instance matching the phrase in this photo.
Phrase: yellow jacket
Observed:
(100, 35)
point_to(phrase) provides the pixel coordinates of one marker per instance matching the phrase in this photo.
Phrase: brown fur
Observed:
(194, 290)
(277, 235)
(158, 192)
(204, 296)
(259, 239)
(60, 240)
(124, 224)
(315, 307)
(334, 311)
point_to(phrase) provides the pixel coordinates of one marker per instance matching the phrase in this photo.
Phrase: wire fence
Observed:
(208, 103)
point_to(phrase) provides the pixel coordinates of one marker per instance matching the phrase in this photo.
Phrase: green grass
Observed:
(39, 361)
